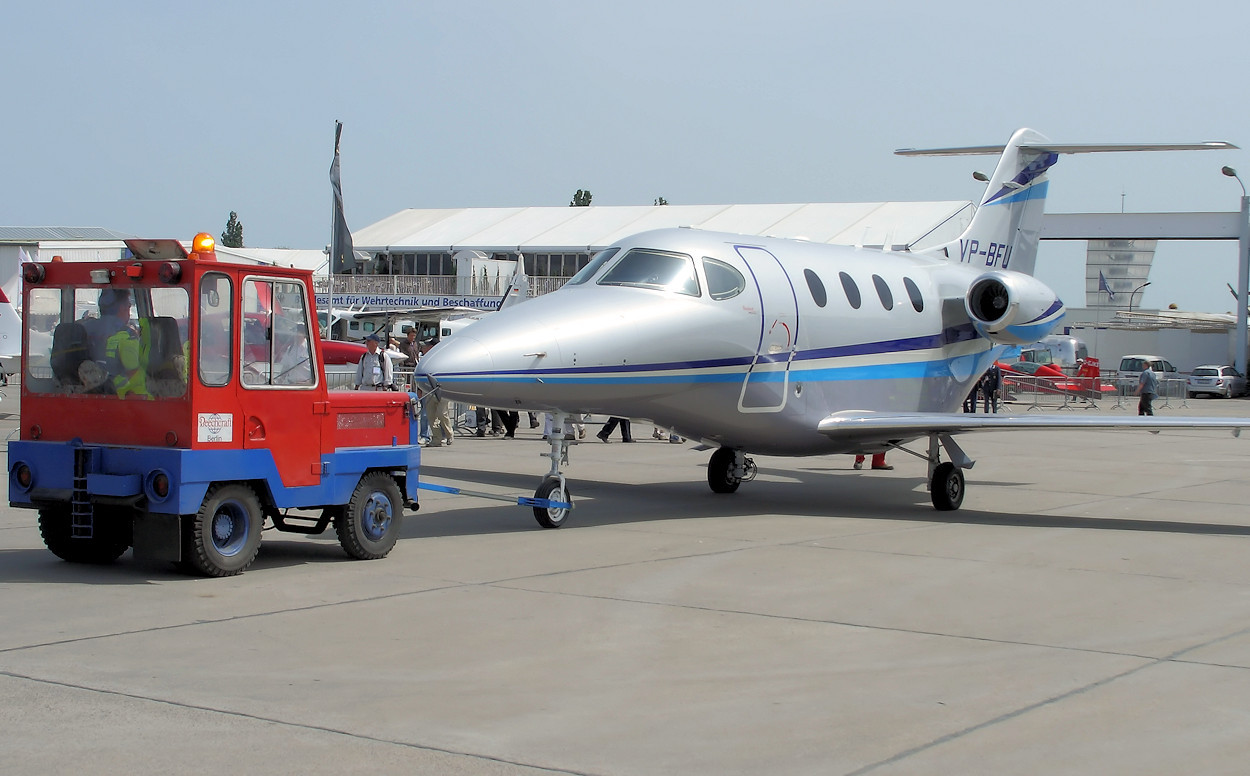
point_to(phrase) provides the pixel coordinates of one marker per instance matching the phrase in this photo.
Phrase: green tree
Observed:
(580, 199)
(233, 236)
(661, 201)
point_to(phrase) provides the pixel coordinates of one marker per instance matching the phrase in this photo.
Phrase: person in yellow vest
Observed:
(126, 350)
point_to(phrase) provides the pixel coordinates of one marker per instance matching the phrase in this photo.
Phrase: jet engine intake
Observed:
(1010, 308)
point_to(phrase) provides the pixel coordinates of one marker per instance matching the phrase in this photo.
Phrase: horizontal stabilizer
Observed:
(1069, 148)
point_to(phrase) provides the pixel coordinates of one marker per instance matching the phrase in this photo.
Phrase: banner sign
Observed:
(388, 301)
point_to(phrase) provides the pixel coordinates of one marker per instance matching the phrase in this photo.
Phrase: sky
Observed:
(159, 119)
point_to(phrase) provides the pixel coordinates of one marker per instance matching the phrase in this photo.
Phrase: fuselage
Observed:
(735, 341)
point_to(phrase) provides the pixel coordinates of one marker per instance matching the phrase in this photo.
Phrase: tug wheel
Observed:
(222, 539)
(110, 536)
(369, 525)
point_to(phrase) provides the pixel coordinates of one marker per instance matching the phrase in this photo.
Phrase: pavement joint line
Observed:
(235, 618)
(286, 723)
(1153, 663)
(868, 626)
(513, 583)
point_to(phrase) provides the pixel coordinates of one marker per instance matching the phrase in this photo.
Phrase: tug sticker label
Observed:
(215, 427)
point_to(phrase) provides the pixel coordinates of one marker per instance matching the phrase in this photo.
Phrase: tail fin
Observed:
(1008, 222)
(519, 289)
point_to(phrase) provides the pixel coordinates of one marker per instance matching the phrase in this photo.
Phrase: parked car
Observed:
(1131, 368)
(1216, 380)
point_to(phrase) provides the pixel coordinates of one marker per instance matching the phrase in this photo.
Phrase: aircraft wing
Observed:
(858, 425)
(416, 313)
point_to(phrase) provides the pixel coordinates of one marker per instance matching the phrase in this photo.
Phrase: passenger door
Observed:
(766, 384)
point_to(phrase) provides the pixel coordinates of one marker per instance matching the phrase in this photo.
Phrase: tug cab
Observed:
(176, 404)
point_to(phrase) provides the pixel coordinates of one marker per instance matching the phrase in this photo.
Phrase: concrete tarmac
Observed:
(1086, 611)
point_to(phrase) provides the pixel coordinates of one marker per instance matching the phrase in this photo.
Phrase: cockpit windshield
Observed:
(648, 268)
(596, 263)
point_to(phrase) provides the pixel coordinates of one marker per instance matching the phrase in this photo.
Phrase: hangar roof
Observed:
(34, 234)
(577, 229)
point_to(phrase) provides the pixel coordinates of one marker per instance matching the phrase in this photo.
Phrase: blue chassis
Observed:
(117, 472)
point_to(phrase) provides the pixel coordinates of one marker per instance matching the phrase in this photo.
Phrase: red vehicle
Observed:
(175, 404)
(1031, 376)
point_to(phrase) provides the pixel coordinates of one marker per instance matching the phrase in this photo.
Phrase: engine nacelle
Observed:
(1010, 308)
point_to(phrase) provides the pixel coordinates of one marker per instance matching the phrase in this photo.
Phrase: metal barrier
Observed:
(1053, 393)
(1172, 387)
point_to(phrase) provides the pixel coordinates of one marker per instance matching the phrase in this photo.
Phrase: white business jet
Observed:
(786, 347)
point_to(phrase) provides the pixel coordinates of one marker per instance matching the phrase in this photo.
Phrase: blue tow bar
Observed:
(521, 501)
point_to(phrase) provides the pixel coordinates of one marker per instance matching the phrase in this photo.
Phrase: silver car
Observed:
(1215, 381)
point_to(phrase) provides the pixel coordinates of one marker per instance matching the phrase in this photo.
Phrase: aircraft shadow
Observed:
(808, 493)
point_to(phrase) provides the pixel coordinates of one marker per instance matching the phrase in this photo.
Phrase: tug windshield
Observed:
(125, 342)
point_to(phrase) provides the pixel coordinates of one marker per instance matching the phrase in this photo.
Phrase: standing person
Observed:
(970, 401)
(991, 381)
(878, 462)
(606, 431)
(373, 372)
(441, 431)
(412, 349)
(1148, 389)
(510, 419)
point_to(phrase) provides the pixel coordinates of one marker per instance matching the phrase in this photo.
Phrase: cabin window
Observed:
(588, 271)
(816, 287)
(883, 291)
(913, 293)
(648, 268)
(852, 290)
(724, 281)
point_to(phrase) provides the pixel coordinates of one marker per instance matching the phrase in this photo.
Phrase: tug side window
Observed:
(216, 329)
(276, 345)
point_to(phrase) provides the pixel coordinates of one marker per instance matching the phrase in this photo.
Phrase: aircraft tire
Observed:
(946, 489)
(552, 517)
(369, 526)
(111, 537)
(719, 471)
(223, 537)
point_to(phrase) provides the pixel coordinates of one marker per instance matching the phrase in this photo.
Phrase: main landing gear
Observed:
(728, 468)
(946, 478)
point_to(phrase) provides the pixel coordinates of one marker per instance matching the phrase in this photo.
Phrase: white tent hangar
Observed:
(584, 230)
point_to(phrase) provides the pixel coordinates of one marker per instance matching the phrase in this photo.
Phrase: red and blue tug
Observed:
(173, 403)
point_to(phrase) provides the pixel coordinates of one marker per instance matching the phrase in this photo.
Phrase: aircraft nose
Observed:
(460, 355)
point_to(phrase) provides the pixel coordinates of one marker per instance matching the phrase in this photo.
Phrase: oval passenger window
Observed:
(816, 287)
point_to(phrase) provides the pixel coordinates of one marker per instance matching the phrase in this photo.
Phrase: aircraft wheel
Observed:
(720, 471)
(222, 539)
(552, 517)
(946, 489)
(110, 536)
(369, 526)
